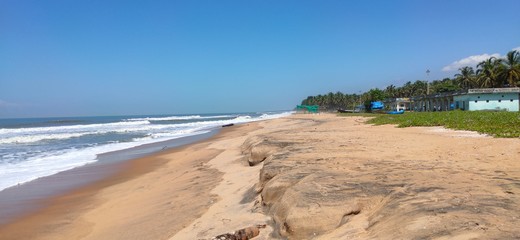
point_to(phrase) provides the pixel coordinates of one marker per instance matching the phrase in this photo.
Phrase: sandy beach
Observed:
(304, 177)
(148, 198)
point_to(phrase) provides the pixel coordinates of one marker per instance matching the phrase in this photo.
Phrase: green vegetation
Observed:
(491, 73)
(497, 124)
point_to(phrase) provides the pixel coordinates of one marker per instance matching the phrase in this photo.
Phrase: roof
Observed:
(466, 92)
(493, 90)
(397, 100)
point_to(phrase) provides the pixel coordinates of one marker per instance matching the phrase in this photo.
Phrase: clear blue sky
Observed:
(102, 57)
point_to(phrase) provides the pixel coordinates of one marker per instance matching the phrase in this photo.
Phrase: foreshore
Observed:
(304, 176)
(150, 197)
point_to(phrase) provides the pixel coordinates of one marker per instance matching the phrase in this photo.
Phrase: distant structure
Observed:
(498, 99)
(506, 99)
(377, 105)
(308, 108)
(433, 102)
(399, 104)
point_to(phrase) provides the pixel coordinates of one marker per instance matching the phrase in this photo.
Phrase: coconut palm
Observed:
(391, 91)
(407, 89)
(511, 68)
(318, 100)
(338, 100)
(420, 87)
(489, 73)
(492, 72)
(466, 77)
(330, 100)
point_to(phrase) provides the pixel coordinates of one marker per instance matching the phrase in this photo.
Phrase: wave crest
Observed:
(173, 118)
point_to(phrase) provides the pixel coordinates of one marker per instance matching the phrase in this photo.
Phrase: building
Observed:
(496, 99)
(434, 102)
(308, 108)
(398, 104)
(500, 99)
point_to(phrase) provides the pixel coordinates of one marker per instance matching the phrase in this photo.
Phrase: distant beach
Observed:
(305, 176)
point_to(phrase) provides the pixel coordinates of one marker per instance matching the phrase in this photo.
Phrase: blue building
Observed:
(502, 99)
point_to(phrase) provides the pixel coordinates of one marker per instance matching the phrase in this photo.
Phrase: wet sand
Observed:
(147, 198)
(26, 198)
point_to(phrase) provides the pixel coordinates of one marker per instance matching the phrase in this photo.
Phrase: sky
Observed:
(106, 57)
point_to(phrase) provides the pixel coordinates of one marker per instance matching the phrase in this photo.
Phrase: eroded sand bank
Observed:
(327, 177)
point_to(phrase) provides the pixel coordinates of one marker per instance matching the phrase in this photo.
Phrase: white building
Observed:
(398, 104)
(507, 99)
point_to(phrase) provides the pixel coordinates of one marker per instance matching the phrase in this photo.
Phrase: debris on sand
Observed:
(242, 234)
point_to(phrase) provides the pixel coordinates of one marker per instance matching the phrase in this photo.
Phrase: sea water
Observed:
(39, 147)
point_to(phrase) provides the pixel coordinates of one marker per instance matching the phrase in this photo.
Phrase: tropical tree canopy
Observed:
(491, 73)
(511, 69)
(466, 78)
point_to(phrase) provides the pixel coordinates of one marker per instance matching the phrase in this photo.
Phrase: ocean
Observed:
(39, 147)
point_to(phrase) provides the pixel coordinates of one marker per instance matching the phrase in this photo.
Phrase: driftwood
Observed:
(242, 234)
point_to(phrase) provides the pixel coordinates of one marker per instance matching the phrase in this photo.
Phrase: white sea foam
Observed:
(40, 137)
(73, 128)
(173, 118)
(46, 164)
(275, 115)
(29, 135)
(50, 163)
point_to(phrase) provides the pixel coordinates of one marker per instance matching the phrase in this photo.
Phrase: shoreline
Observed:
(21, 200)
(63, 213)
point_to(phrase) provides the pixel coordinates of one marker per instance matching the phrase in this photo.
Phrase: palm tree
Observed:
(318, 100)
(489, 73)
(466, 77)
(407, 89)
(416, 89)
(511, 68)
(420, 87)
(338, 100)
(330, 100)
(391, 91)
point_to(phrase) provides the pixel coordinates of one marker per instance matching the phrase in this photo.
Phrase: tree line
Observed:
(490, 73)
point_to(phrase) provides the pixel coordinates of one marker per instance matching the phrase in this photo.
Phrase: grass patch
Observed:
(497, 124)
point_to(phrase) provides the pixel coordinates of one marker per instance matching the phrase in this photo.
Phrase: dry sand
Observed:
(313, 176)
(339, 178)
